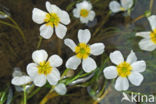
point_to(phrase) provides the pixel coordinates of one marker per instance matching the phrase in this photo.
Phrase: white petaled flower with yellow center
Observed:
(83, 51)
(125, 5)
(43, 69)
(130, 69)
(148, 43)
(54, 19)
(84, 11)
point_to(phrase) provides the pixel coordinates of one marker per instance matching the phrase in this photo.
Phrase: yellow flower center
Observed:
(44, 68)
(82, 51)
(52, 19)
(153, 36)
(84, 12)
(122, 9)
(124, 69)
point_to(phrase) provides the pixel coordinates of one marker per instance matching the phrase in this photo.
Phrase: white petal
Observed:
(91, 15)
(139, 66)
(38, 15)
(84, 36)
(136, 78)
(152, 21)
(73, 63)
(46, 31)
(110, 72)
(88, 65)
(32, 69)
(76, 13)
(114, 6)
(61, 89)
(86, 5)
(64, 17)
(56, 72)
(144, 34)
(22, 80)
(116, 57)
(121, 84)
(39, 56)
(51, 8)
(53, 77)
(84, 20)
(17, 72)
(48, 6)
(126, 3)
(70, 43)
(55, 61)
(147, 45)
(97, 48)
(40, 80)
(61, 31)
(131, 57)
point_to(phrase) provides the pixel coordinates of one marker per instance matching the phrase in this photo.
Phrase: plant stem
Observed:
(25, 96)
(16, 26)
(138, 18)
(102, 23)
(151, 5)
(39, 42)
(105, 93)
(64, 73)
(8, 24)
(34, 92)
(49, 96)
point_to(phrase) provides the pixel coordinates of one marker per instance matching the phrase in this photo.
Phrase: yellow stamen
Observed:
(124, 69)
(52, 19)
(84, 12)
(122, 9)
(82, 51)
(44, 68)
(153, 36)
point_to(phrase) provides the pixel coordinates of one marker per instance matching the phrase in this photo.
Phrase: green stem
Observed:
(8, 24)
(34, 92)
(64, 73)
(25, 96)
(39, 42)
(151, 5)
(13, 26)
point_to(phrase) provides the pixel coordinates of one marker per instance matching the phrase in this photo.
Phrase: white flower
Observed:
(130, 69)
(84, 11)
(83, 51)
(43, 69)
(19, 79)
(148, 43)
(61, 89)
(56, 18)
(115, 7)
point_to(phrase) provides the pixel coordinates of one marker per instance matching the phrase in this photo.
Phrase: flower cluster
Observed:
(44, 69)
